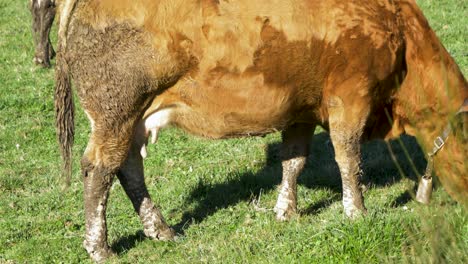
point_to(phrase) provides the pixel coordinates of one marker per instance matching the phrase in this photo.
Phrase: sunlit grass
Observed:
(206, 189)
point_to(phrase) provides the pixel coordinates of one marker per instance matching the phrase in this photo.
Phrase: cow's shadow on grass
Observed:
(379, 167)
(321, 172)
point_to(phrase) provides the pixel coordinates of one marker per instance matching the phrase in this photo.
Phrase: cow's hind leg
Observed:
(51, 49)
(294, 151)
(131, 176)
(105, 153)
(347, 120)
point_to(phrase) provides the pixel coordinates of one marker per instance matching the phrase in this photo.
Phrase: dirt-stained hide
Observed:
(219, 69)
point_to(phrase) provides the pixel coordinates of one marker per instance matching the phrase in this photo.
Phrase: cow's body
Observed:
(237, 68)
(43, 14)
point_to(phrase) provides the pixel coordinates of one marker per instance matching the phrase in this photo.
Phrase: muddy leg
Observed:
(346, 125)
(97, 182)
(295, 149)
(132, 179)
(103, 157)
(36, 30)
(43, 13)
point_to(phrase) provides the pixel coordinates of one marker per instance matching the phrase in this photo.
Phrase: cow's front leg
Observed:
(131, 176)
(295, 148)
(346, 123)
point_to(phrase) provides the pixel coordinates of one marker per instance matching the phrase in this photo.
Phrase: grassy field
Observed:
(218, 195)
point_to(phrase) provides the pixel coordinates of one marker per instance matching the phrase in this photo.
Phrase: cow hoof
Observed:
(41, 62)
(167, 234)
(355, 212)
(283, 215)
(285, 207)
(98, 254)
(38, 60)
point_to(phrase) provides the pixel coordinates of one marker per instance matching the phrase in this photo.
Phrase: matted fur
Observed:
(219, 69)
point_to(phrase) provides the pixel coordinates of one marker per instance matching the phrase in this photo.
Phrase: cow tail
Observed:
(63, 98)
(64, 114)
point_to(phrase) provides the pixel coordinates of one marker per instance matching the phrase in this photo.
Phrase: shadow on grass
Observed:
(125, 243)
(404, 198)
(321, 172)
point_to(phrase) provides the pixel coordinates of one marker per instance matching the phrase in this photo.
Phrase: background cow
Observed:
(43, 13)
(218, 69)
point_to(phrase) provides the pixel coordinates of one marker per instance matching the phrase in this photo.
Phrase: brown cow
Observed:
(223, 69)
(43, 13)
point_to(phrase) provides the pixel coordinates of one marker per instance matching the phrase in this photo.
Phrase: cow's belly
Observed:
(238, 107)
(224, 124)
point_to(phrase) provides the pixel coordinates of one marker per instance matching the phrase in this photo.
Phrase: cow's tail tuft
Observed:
(63, 99)
(64, 114)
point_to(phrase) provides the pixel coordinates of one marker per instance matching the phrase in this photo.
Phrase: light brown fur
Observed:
(220, 69)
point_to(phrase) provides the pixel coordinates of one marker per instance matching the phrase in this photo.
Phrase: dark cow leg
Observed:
(43, 13)
(131, 177)
(51, 49)
(346, 123)
(103, 157)
(295, 149)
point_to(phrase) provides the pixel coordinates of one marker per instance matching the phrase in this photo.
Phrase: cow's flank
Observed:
(222, 69)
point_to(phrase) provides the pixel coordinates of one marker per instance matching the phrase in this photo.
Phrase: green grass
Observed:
(208, 190)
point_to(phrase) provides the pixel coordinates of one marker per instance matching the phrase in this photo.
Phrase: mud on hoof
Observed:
(98, 254)
(41, 62)
(161, 234)
(283, 215)
(285, 209)
(353, 212)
